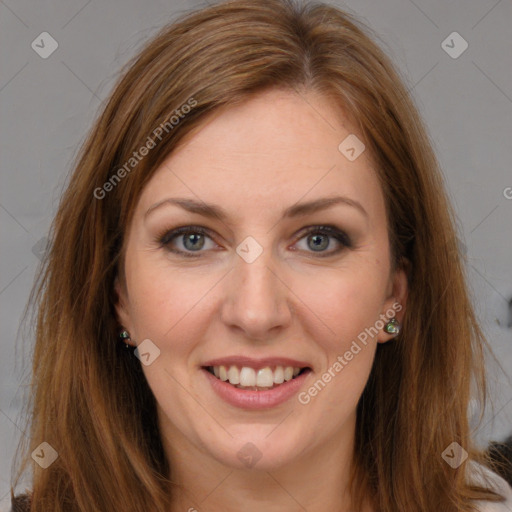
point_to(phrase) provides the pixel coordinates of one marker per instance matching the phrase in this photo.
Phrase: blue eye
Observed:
(318, 238)
(194, 238)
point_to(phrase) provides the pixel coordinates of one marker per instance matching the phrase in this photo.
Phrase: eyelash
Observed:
(165, 239)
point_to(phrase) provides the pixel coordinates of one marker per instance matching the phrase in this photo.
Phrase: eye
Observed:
(190, 238)
(319, 238)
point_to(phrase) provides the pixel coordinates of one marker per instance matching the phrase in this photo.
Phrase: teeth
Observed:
(233, 375)
(279, 375)
(247, 377)
(251, 378)
(265, 379)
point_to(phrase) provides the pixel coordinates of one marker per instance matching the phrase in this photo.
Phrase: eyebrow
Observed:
(296, 210)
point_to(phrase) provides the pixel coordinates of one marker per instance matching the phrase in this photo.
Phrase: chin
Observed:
(256, 449)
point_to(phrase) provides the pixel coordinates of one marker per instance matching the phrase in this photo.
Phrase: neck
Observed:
(316, 480)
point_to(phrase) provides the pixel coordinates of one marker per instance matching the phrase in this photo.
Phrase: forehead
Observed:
(263, 155)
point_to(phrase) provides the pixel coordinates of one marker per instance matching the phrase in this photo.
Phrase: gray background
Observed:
(48, 105)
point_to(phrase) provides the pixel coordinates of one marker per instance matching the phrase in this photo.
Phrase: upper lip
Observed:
(256, 363)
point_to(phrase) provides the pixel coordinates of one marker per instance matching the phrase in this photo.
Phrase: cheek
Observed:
(343, 303)
(346, 307)
(162, 298)
(333, 395)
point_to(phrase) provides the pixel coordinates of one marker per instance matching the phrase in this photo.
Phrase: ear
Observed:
(121, 306)
(395, 303)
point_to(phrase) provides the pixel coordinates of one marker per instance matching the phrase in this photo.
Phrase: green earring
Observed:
(393, 326)
(125, 336)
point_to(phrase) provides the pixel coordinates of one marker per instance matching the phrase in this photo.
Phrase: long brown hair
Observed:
(90, 400)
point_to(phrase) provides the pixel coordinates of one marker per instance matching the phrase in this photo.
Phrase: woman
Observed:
(254, 298)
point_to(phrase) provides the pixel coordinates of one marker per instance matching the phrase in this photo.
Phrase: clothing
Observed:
(483, 475)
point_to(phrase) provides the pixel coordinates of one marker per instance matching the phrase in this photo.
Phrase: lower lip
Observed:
(247, 399)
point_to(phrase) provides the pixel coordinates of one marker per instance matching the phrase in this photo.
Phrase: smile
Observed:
(251, 379)
(250, 384)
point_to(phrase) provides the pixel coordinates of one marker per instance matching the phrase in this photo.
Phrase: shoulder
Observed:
(482, 475)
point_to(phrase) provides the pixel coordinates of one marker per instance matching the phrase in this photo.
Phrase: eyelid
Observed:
(330, 230)
(175, 232)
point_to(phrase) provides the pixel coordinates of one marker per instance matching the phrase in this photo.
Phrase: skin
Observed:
(254, 161)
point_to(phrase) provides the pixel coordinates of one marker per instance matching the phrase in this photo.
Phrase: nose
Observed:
(257, 300)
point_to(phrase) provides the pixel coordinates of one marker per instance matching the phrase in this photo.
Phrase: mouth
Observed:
(256, 384)
(249, 378)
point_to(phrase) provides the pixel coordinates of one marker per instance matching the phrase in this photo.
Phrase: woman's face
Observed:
(254, 290)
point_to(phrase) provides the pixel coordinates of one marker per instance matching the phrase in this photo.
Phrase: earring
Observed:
(125, 336)
(393, 326)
